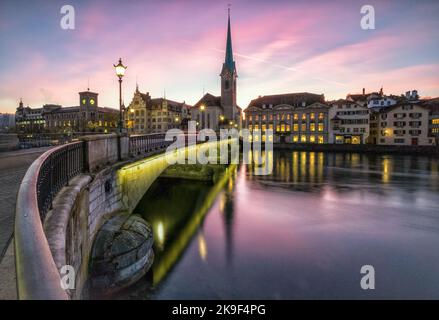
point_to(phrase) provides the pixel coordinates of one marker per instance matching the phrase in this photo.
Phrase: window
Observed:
(296, 117)
(321, 116)
(435, 121)
(303, 117)
(398, 140)
(321, 139)
(312, 116)
(288, 128)
(303, 128)
(303, 138)
(312, 139)
(312, 126)
(321, 127)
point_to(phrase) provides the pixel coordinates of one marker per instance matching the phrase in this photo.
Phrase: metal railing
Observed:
(37, 274)
(59, 167)
(146, 143)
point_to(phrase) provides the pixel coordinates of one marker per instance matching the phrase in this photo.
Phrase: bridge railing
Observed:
(146, 143)
(60, 166)
(37, 274)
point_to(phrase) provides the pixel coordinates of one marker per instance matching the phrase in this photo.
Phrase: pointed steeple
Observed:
(229, 64)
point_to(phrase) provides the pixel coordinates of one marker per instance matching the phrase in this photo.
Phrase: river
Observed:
(302, 232)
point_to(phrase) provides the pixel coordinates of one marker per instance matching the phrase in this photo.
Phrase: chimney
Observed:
(364, 91)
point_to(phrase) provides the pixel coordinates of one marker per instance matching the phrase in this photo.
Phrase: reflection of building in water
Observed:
(228, 217)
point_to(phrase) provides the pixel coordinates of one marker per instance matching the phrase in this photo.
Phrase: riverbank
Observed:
(429, 151)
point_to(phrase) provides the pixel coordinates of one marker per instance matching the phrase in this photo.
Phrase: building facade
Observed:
(215, 112)
(433, 107)
(52, 118)
(293, 117)
(349, 122)
(147, 115)
(401, 124)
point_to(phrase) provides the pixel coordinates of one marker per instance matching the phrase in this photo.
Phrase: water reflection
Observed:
(302, 232)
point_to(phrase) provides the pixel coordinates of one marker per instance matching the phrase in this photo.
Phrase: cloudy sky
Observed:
(178, 47)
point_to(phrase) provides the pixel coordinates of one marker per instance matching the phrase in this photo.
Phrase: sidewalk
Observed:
(13, 167)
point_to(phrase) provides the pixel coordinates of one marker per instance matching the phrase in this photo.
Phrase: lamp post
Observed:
(120, 72)
(202, 107)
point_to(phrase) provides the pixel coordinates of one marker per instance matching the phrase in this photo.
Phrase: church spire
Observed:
(228, 62)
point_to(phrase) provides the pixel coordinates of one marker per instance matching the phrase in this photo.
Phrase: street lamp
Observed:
(120, 72)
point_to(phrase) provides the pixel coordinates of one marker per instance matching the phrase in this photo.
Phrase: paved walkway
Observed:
(13, 166)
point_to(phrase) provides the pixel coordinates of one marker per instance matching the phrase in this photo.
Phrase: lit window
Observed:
(296, 116)
(303, 138)
(264, 127)
(282, 127)
(277, 128)
(312, 116)
(304, 116)
(303, 128)
(288, 127)
(295, 138)
(321, 139)
(321, 127)
(312, 126)
(295, 127)
(312, 139)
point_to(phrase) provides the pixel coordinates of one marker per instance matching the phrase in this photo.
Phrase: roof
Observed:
(432, 105)
(397, 105)
(229, 63)
(287, 98)
(209, 100)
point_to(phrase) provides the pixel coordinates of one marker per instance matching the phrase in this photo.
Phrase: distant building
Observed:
(51, 118)
(401, 124)
(349, 122)
(7, 122)
(294, 117)
(217, 112)
(433, 107)
(147, 115)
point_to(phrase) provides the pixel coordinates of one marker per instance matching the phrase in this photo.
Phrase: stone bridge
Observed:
(68, 195)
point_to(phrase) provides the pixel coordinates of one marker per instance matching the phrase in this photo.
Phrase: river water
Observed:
(305, 231)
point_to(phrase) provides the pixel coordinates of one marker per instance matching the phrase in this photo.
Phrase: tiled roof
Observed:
(287, 98)
(209, 100)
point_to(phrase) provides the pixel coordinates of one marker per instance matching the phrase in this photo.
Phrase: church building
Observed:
(216, 112)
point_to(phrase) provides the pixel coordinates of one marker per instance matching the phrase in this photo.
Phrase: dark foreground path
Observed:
(13, 166)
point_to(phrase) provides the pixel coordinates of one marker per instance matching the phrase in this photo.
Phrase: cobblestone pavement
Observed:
(13, 166)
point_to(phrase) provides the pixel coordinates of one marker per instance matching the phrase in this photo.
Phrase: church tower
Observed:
(228, 79)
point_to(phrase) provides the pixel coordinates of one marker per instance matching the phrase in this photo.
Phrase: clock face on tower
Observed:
(84, 101)
(92, 101)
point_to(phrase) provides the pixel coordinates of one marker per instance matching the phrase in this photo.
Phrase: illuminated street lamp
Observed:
(221, 117)
(120, 72)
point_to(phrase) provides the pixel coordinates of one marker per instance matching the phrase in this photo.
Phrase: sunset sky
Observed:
(178, 46)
